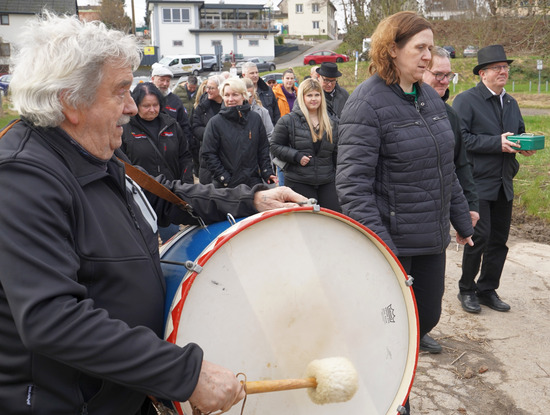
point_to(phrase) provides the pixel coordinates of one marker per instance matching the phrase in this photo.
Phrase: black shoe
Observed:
(493, 301)
(428, 344)
(469, 303)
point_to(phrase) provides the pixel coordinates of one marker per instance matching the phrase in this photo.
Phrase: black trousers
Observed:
(490, 237)
(324, 193)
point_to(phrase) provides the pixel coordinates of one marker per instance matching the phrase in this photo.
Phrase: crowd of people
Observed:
(393, 155)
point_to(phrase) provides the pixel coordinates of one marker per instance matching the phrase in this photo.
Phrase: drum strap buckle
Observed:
(160, 408)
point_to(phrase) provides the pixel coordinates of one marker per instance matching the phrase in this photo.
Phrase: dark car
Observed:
(209, 63)
(451, 50)
(316, 58)
(4, 84)
(261, 64)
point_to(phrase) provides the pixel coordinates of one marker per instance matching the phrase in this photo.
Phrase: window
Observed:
(175, 15)
(5, 19)
(177, 42)
(299, 8)
(253, 43)
(216, 42)
(4, 49)
(316, 24)
(315, 8)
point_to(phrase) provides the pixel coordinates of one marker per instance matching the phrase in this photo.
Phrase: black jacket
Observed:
(175, 163)
(395, 171)
(483, 121)
(336, 101)
(268, 100)
(235, 149)
(292, 140)
(81, 288)
(174, 107)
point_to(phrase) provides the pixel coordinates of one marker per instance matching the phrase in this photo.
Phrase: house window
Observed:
(299, 8)
(316, 24)
(177, 42)
(216, 42)
(5, 19)
(253, 43)
(175, 15)
(4, 49)
(315, 8)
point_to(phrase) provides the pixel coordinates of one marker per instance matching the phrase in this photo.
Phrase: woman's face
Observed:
(149, 107)
(412, 59)
(288, 81)
(232, 98)
(312, 99)
(212, 90)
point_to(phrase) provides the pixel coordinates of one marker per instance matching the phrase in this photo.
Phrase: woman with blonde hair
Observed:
(307, 140)
(235, 149)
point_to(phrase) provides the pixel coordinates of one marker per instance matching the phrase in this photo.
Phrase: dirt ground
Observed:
(492, 362)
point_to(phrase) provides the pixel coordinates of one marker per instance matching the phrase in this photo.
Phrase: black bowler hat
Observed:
(490, 54)
(329, 70)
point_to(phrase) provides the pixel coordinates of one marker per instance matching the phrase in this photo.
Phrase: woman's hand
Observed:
(305, 160)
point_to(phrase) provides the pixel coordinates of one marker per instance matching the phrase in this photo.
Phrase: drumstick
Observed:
(328, 380)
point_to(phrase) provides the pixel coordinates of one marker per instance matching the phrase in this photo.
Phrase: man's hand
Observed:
(475, 217)
(278, 197)
(507, 145)
(218, 389)
(527, 153)
(463, 241)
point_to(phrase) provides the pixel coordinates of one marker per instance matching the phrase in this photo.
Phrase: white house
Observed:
(197, 27)
(309, 17)
(14, 14)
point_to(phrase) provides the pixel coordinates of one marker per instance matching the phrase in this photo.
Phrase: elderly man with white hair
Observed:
(81, 289)
(264, 92)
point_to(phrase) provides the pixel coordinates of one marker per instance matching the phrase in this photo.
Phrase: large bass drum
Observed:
(275, 291)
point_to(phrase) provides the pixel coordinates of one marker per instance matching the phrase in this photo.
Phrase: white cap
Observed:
(161, 70)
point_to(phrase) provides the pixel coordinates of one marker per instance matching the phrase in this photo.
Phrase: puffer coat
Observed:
(292, 140)
(395, 171)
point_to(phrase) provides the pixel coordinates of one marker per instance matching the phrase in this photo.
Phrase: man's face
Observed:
(272, 83)
(495, 76)
(441, 68)
(191, 88)
(162, 83)
(98, 127)
(328, 84)
(253, 74)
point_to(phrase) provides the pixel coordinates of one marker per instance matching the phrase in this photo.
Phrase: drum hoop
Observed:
(229, 233)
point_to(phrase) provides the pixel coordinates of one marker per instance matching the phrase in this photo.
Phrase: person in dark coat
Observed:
(235, 149)
(82, 294)
(209, 105)
(335, 95)
(307, 140)
(264, 92)
(438, 76)
(488, 116)
(395, 170)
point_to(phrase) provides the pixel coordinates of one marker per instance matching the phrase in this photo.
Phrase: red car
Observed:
(316, 58)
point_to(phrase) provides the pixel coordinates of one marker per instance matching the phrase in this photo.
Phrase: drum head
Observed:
(283, 288)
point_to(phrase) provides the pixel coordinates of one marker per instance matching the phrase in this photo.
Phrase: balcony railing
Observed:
(234, 24)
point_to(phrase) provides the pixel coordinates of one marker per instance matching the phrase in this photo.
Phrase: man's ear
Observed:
(72, 114)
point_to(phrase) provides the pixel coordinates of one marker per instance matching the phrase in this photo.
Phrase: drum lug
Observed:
(401, 409)
(193, 267)
(409, 281)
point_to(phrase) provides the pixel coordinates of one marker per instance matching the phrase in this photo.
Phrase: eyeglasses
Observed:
(499, 68)
(441, 76)
(328, 81)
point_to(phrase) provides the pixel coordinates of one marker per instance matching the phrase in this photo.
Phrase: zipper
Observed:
(84, 410)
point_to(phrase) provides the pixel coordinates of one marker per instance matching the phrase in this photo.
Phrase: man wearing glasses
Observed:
(335, 95)
(439, 76)
(488, 116)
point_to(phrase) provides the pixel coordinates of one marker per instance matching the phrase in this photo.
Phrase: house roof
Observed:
(36, 6)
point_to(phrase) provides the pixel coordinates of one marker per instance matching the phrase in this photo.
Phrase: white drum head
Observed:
(283, 288)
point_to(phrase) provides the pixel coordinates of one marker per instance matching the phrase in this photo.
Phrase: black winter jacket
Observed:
(174, 107)
(292, 140)
(81, 289)
(336, 101)
(205, 110)
(170, 142)
(395, 171)
(235, 148)
(269, 101)
(483, 122)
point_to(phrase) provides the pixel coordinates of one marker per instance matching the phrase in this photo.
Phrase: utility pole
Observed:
(133, 19)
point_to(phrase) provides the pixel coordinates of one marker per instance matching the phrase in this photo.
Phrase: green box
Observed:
(528, 141)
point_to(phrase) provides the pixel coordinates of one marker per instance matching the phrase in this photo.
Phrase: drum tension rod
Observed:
(190, 265)
(409, 281)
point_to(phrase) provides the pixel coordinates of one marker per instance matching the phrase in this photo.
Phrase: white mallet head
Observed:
(337, 380)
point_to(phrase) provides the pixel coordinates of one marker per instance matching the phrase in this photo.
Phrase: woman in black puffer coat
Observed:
(235, 149)
(307, 140)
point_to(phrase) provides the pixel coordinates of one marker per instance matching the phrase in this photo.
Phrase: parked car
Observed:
(451, 50)
(209, 63)
(470, 51)
(182, 64)
(262, 64)
(316, 58)
(278, 76)
(4, 84)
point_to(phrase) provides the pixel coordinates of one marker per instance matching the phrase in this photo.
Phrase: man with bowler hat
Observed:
(335, 95)
(488, 116)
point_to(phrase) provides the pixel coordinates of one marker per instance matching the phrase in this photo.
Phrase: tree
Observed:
(113, 15)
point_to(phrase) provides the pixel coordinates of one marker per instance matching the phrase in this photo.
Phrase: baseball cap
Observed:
(161, 70)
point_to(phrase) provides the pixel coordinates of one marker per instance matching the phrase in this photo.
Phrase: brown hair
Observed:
(394, 31)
